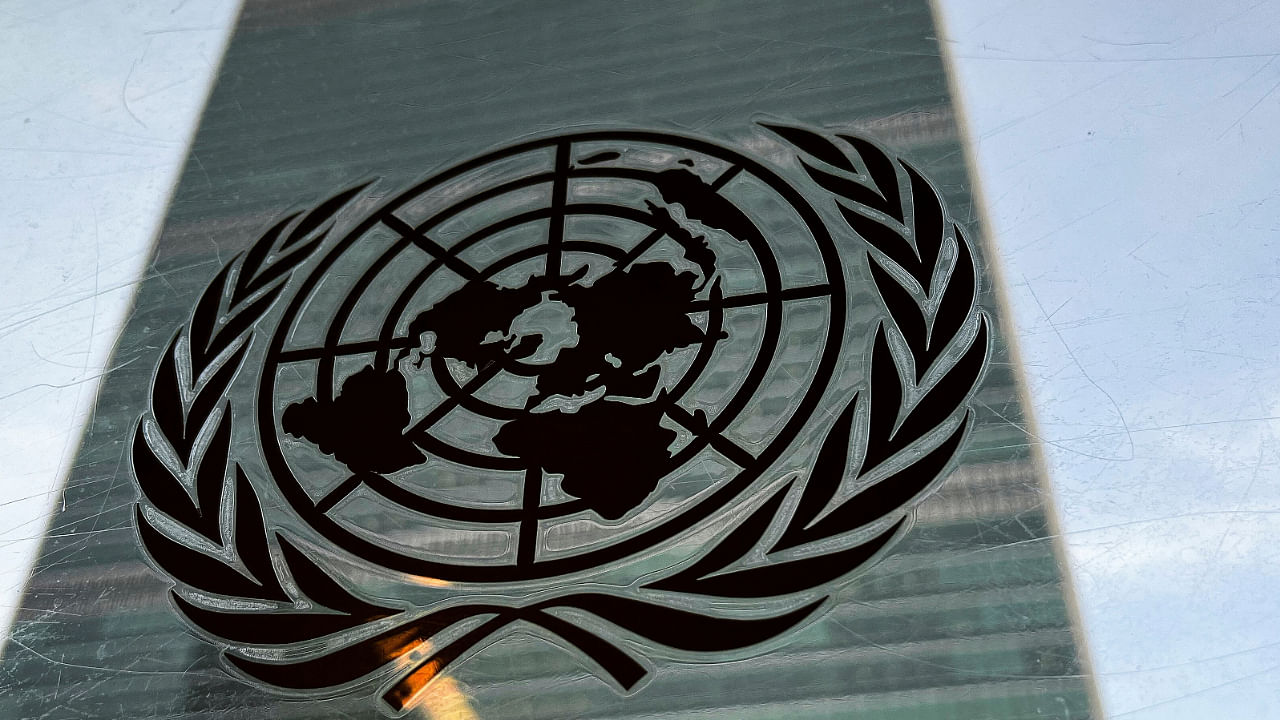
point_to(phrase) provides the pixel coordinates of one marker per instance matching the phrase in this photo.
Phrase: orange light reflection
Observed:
(431, 582)
(443, 699)
(436, 697)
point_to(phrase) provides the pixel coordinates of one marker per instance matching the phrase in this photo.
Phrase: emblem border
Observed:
(284, 622)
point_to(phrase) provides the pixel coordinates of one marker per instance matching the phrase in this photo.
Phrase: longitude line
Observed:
(431, 247)
(334, 496)
(722, 444)
(725, 177)
(559, 195)
(649, 241)
(759, 298)
(485, 375)
(529, 504)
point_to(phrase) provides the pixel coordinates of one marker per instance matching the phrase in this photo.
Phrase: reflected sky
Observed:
(1126, 153)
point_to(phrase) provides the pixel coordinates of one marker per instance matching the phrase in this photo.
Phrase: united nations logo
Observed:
(638, 393)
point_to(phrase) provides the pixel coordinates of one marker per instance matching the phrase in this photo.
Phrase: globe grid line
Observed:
(530, 503)
(641, 247)
(555, 227)
(420, 240)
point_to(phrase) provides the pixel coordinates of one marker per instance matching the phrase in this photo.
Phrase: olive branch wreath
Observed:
(282, 620)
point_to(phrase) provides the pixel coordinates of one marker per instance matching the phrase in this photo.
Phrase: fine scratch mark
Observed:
(1217, 551)
(99, 668)
(1076, 221)
(1245, 81)
(1117, 43)
(63, 386)
(124, 96)
(1201, 691)
(1252, 107)
(1055, 443)
(1071, 354)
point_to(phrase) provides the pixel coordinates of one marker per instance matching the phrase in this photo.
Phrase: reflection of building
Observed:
(967, 617)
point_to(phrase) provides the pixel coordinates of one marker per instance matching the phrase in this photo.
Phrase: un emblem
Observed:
(639, 393)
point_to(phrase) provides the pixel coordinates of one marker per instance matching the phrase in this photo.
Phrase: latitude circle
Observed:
(693, 513)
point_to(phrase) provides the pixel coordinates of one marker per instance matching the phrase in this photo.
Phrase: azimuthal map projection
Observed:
(632, 389)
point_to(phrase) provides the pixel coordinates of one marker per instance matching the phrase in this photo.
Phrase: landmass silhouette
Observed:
(626, 321)
(361, 427)
(610, 454)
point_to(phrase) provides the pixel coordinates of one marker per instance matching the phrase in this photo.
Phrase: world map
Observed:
(611, 451)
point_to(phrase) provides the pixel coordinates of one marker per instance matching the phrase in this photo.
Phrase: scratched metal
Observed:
(966, 618)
